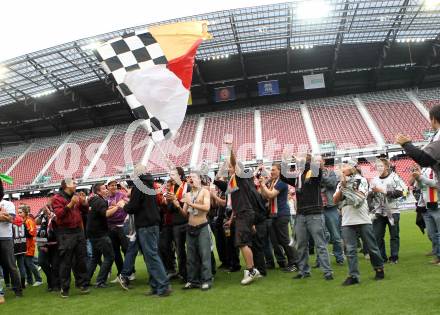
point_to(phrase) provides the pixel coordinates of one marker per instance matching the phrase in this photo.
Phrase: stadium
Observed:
(335, 78)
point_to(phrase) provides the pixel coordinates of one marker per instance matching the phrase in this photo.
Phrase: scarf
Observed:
(183, 188)
(232, 187)
(273, 203)
(307, 176)
(432, 191)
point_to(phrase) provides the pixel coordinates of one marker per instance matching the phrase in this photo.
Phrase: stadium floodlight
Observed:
(44, 93)
(312, 9)
(91, 46)
(430, 5)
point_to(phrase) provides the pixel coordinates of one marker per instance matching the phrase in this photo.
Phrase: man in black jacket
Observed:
(429, 156)
(147, 219)
(309, 217)
(98, 233)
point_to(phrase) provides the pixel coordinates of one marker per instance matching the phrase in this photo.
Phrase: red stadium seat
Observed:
(282, 125)
(239, 124)
(338, 120)
(394, 114)
(178, 150)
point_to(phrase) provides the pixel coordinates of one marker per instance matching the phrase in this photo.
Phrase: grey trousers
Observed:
(314, 225)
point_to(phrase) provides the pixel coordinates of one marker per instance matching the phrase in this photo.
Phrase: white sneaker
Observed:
(115, 280)
(132, 277)
(249, 277)
(205, 287)
(37, 283)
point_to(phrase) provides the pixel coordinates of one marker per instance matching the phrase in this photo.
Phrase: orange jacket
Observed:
(31, 228)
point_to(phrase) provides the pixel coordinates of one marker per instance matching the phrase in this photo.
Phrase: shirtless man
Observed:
(196, 207)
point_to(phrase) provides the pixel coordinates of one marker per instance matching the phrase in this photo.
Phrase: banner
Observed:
(268, 88)
(314, 81)
(225, 93)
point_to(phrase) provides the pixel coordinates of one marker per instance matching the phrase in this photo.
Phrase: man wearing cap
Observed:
(116, 224)
(68, 208)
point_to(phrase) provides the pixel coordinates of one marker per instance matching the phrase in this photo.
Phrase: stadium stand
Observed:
(385, 107)
(33, 162)
(338, 120)
(429, 97)
(178, 150)
(238, 123)
(283, 125)
(76, 154)
(36, 203)
(335, 120)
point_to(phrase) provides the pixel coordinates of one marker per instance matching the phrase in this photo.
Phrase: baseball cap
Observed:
(111, 180)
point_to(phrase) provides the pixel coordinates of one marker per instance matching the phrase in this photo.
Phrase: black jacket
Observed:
(96, 218)
(308, 198)
(144, 208)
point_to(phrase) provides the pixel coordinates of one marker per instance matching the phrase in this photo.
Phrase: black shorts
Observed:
(243, 229)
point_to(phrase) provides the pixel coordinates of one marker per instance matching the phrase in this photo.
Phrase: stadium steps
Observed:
(54, 156)
(429, 97)
(197, 141)
(374, 129)
(98, 155)
(258, 135)
(18, 160)
(311, 133)
(419, 105)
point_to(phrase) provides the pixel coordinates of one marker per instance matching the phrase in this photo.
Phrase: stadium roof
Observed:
(286, 39)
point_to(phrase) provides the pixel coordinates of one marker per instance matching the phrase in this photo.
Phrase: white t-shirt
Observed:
(389, 183)
(292, 206)
(352, 215)
(6, 227)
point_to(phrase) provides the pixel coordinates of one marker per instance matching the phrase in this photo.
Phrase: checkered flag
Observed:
(131, 52)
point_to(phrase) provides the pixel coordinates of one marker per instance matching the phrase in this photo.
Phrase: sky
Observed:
(28, 25)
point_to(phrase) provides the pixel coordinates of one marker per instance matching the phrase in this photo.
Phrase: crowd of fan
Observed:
(275, 217)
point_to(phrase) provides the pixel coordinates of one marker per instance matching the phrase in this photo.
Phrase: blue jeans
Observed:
(199, 257)
(432, 221)
(148, 238)
(350, 234)
(130, 259)
(314, 226)
(379, 227)
(333, 227)
(89, 256)
(31, 270)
